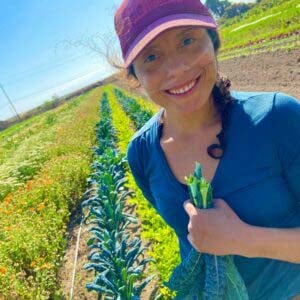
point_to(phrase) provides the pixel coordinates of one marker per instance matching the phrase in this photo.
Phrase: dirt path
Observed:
(82, 277)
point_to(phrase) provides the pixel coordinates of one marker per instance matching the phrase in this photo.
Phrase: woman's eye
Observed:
(188, 41)
(150, 58)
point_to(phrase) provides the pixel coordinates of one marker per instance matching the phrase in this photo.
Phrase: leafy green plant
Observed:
(138, 115)
(114, 258)
(164, 243)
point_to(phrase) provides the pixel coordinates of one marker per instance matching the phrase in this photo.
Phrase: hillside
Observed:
(267, 22)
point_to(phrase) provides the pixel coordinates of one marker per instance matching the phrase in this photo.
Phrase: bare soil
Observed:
(277, 71)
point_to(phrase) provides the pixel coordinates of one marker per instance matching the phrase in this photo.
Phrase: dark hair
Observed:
(221, 95)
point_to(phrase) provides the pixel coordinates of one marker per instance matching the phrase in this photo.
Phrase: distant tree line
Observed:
(224, 9)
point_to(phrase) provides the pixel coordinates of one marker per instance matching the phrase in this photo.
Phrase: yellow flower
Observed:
(33, 264)
(46, 266)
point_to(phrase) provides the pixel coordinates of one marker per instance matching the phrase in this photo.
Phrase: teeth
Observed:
(184, 89)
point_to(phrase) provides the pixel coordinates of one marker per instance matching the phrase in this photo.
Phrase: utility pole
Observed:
(10, 102)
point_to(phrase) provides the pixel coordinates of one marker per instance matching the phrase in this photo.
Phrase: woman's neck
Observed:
(185, 127)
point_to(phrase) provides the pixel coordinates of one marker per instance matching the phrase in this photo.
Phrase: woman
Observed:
(247, 143)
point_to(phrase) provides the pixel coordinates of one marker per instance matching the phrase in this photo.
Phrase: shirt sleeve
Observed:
(134, 161)
(286, 122)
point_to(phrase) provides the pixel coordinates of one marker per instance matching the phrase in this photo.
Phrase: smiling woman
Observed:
(168, 74)
(200, 46)
(248, 145)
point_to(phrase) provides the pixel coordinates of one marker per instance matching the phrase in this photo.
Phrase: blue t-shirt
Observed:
(258, 176)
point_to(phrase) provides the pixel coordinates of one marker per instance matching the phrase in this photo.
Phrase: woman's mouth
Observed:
(185, 90)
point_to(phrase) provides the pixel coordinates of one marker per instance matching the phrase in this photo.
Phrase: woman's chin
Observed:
(190, 110)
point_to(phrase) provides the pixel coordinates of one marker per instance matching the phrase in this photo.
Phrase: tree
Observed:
(217, 7)
(236, 9)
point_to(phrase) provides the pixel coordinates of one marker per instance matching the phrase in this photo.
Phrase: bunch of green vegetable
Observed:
(114, 257)
(206, 276)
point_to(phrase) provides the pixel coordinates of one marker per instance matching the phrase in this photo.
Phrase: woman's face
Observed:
(178, 69)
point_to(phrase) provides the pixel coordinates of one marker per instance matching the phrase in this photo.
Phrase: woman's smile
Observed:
(184, 90)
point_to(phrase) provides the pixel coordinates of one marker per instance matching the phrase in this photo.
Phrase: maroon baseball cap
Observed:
(138, 22)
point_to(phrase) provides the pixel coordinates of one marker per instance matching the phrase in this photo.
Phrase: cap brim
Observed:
(152, 31)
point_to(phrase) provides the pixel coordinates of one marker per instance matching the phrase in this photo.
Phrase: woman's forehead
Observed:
(176, 32)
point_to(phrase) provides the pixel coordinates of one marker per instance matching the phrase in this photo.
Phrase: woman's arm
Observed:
(276, 243)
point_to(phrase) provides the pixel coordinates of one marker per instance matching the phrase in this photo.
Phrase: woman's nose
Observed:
(176, 66)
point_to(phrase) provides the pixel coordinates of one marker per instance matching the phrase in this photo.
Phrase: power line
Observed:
(53, 86)
(44, 67)
(10, 102)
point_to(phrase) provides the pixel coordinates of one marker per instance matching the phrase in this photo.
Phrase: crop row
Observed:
(290, 42)
(261, 23)
(164, 243)
(115, 257)
(27, 146)
(34, 217)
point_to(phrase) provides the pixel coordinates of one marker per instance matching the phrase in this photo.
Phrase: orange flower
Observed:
(41, 206)
(29, 185)
(2, 270)
(7, 199)
(31, 209)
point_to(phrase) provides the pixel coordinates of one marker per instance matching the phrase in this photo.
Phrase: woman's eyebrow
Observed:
(154, 46)
(149, 48)
(185, 31)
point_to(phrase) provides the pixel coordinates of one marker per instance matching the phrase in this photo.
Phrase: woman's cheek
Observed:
(205, 57)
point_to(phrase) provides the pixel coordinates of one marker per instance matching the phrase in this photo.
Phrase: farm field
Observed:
(39, 234)
(271, 24)
(55, 168)
(53, 152)
(270, 71)
(36, 208)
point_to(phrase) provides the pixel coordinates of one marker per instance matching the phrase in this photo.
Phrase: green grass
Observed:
(284, 23)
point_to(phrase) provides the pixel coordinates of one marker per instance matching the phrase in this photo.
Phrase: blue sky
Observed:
(39, 53)
(44, 48)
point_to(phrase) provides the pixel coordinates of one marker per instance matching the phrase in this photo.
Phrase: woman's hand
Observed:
(217, 230)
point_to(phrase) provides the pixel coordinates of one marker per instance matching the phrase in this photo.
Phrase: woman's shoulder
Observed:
(148, 129)
(143, 139)
(259, 105)
(252, 97)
